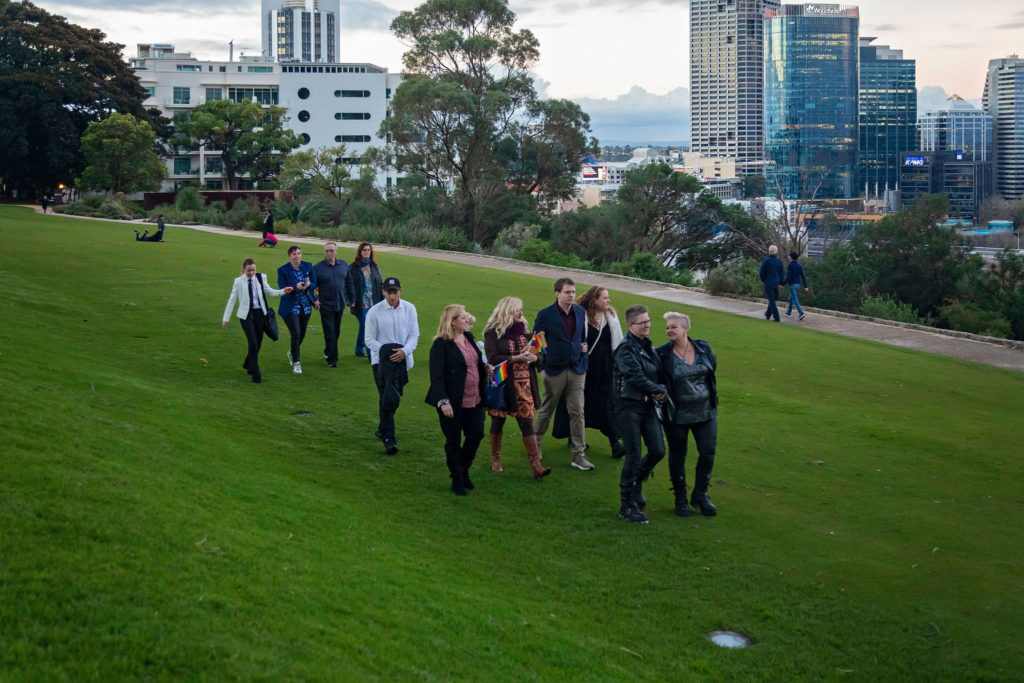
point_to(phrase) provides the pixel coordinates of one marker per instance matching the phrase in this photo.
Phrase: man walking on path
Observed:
(794, 278)
(772, 275)
(335, 293)
(392, 331)
(564, 371)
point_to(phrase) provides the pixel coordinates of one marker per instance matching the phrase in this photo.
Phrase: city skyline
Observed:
(580, 59)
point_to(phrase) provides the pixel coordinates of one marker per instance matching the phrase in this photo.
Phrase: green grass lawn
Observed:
(163, 518)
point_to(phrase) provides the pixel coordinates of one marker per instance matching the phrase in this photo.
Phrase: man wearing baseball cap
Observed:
(392, 331)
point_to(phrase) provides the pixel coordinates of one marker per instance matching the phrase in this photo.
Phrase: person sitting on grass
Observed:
(157, 236)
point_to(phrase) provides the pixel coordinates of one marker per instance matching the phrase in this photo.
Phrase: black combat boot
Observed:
(679, 489)
(700, 499)
(629, 510)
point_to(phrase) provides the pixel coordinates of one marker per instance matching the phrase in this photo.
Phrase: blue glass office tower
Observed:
(888, 116)
(811, 99)
(1004, 100)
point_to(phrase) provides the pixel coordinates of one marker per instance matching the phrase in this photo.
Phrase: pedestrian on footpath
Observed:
(795, 278)
(772, 274)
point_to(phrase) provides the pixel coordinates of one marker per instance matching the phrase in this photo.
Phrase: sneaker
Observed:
(390, 447)
(290, 361)
(581, 463)
(787, 313)
(802, 316)
(297, 368)
(332, 365)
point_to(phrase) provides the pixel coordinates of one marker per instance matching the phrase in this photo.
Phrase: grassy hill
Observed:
(162, 517)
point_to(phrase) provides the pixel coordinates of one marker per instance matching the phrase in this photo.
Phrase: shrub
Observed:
(537, 250)
(885, 307)
(93, 201)
(968, 317)
(189, 199)
(514, 237)
(739, 278)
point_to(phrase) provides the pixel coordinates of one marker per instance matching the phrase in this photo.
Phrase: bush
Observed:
(646, 267)
(739, 278)
(968, 317)
(887, 308)
(537, 250)
(514, 237)
(189, 199)
(116, 209)
(172, 214)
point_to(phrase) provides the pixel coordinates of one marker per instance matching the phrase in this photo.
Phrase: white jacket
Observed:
(240, 293)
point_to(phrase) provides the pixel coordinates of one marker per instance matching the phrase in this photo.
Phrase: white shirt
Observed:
(387, 325)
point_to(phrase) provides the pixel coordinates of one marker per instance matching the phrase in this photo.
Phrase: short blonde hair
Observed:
(683, 319)
(448, 316)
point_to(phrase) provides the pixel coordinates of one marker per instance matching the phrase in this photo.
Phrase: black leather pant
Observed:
(705, 435)
(638, 426)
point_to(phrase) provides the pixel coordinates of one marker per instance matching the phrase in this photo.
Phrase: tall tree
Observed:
(319, 171)
(250, 139)
(120, 157)
(55, 79)
(467, 115)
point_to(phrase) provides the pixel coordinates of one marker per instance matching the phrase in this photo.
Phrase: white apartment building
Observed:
(326, 104)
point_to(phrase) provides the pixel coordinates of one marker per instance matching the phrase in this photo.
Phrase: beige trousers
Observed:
(571, 384)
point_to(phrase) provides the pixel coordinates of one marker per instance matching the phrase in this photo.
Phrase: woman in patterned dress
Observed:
(506, 339)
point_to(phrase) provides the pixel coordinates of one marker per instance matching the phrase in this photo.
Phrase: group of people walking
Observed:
(593, 375)
(774, 276)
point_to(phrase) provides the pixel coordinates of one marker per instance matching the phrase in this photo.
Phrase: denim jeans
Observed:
(794, 300)
(360, 313)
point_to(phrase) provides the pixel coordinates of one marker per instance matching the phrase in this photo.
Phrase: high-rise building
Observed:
(888, 115)
(301, 30)
(726, 80)
(957, 126)
(1004, 100)
(811, 100)
(967, 182)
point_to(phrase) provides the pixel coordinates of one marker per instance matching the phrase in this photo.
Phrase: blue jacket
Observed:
(287, 277)
(562, 353)
(772, 273)
(795, 274)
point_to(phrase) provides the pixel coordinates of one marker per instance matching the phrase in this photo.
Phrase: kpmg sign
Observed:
(818, 10)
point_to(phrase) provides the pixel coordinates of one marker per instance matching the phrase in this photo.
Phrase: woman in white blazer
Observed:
(250, 290)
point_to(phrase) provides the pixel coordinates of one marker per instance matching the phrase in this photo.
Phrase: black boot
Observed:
(638, 490)
(700, 499)
(679, 488)
(628, 509)
(458, 487)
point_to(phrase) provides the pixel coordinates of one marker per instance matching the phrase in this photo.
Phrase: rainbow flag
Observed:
(501, 373)
(537, 344)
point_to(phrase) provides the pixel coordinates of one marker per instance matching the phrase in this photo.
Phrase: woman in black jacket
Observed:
(638, 390)
(367, 283)
(457, 378)
(689, 369)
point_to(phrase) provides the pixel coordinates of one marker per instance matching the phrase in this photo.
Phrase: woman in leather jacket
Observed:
(638, 391)
(689, 370)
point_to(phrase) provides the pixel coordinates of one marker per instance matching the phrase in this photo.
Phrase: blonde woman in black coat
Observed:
(457, 379)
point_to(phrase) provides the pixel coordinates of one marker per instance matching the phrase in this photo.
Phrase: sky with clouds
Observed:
(602, 55)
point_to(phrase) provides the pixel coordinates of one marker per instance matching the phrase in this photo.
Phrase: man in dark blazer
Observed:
(335, 292)
(564, 369)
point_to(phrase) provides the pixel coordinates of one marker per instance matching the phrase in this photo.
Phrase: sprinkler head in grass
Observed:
(729, 639)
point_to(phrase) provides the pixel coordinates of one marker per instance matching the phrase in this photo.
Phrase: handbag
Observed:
(270, 319)
(494, 395)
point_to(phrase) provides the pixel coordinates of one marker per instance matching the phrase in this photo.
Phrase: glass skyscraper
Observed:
(888, 116)
(726, 80)
(811, 100)
(958, 126)
(1004, 100)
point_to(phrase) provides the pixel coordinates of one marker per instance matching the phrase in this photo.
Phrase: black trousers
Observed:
(296, 323)
(639, 426)
(705, 435)
(253, 328)
(330, 321)
(463, 432)
(772, 294)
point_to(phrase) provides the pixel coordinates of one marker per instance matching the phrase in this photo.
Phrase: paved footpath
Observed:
(1008, 355)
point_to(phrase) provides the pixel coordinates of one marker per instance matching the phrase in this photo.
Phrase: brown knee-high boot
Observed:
(533, 452)
(496, 452)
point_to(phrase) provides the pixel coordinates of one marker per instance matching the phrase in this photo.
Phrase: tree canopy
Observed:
(250, 139)
(120, 157)
(55, 79)
(467, 115)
